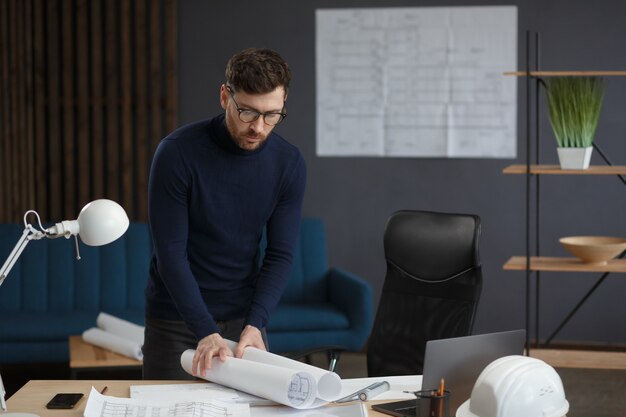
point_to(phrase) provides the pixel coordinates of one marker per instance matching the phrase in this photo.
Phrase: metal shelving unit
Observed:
(534, 263)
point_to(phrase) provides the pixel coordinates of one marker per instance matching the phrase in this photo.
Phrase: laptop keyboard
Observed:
(408, 411)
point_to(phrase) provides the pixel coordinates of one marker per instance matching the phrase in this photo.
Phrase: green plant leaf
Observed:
(574, 105)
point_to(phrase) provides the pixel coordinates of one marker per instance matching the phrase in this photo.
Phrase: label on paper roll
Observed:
(300, 389)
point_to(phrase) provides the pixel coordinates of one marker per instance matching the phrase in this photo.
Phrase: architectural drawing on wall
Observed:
(417, 82)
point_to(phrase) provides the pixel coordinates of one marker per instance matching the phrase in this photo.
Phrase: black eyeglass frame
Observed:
(240, 110)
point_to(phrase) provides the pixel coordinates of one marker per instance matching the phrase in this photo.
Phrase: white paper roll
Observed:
(113, 342)
(120, 327)
(328, 383)
(286, 386)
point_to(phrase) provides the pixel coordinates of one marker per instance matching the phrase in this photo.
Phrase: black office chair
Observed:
(431, 289)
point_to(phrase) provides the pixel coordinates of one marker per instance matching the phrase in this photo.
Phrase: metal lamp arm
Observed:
(29, 233)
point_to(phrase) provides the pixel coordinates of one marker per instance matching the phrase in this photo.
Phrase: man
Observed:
(214, 185)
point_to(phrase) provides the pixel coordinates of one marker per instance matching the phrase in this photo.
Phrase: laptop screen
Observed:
(459, 360)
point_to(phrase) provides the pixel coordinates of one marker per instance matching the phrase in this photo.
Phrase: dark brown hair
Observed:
(257, 71)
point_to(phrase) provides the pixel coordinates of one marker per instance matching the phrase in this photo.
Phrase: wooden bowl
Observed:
(594, 249)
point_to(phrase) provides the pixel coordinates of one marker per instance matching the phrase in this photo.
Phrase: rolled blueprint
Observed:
(120, 327)
(286, 386)
(328, 383)
(113, 342)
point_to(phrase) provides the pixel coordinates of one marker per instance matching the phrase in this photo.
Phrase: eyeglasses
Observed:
(270, 118)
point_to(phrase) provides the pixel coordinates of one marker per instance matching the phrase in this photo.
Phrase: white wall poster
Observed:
(417, 82)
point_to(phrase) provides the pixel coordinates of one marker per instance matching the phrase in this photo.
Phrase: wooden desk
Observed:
(33, 396)
(87, 357)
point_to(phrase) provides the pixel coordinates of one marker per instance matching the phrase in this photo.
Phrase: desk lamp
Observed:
(98, 223)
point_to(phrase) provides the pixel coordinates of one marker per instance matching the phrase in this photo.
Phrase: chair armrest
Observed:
(353, 295)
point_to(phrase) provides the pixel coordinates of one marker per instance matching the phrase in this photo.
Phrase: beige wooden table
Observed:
(33, 396)
(87, 357)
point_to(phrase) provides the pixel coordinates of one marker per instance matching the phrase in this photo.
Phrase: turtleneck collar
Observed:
(221, 136)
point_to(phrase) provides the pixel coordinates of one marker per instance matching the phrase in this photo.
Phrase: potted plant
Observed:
(574, 105)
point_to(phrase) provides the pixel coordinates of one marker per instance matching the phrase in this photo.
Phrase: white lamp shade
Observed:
(101, 222)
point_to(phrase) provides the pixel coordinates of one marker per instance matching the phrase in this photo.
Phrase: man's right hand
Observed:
(210, 346)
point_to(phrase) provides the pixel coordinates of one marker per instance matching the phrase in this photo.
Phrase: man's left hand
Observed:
(250, 336)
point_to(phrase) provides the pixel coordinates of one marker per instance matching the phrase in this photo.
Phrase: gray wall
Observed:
(355, 196)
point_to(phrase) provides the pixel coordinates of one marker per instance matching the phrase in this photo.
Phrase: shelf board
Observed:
(559, 358)
(566, 73)
(544, 263)
(556, 170)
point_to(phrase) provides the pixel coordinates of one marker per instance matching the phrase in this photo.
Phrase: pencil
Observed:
(441, 392)
(104, 390)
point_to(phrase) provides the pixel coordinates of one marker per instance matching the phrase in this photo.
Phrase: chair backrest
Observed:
(431, 289)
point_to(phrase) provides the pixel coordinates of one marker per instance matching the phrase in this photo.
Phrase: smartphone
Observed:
(64, 400)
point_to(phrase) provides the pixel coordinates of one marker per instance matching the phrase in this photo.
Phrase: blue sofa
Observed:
(49, 295)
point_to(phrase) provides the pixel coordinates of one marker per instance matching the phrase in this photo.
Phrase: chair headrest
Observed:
(430, 245)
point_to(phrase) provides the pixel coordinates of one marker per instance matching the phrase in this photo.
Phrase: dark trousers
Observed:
(166, 340)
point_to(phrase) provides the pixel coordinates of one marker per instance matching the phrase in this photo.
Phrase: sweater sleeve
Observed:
(168, 190)
(282, 231)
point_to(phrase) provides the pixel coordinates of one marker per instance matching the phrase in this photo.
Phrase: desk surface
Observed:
(33, 396)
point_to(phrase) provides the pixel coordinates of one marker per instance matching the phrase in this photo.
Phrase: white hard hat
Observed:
(516, 386)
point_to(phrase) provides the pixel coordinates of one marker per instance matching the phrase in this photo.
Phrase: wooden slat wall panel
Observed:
(156, 76)
(5, 206)
(88, 89)
(83, 132)
(142, 125)
(111, 80)
(41, 169)
(127, 118)
(13, 142)
(69, 180)
(13, 116)
(97, 109)
(171, 97)
(28, 116)
(54, 209)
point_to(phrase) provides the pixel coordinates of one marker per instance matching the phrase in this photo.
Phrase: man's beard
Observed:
(242, 139)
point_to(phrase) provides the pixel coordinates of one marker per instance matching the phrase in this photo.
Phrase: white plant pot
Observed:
(574, 158)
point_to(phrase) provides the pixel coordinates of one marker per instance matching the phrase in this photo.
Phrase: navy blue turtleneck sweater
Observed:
(209, 201)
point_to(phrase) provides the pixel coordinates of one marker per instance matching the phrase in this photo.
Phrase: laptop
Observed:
(458, 360)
